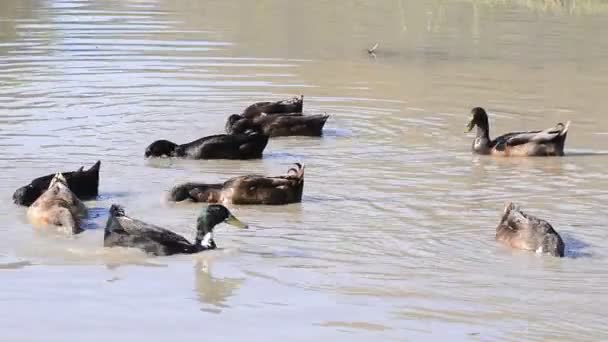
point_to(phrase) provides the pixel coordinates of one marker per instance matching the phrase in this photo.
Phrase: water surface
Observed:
(394, 238)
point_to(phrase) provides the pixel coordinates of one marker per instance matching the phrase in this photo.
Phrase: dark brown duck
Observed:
(251, 189)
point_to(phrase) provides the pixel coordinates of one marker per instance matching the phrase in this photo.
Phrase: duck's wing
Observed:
(119, 223)
(307, 124)
(293, 105)
(153, 232)
(268, 190)
(546, 136)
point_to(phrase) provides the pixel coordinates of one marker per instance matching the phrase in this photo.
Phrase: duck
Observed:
(523, 231)
(83, 183)
(251, 189)
(58, 207)
(293, 105)
(549, 142)
(277, 125)
(124, 231)
(249, 145)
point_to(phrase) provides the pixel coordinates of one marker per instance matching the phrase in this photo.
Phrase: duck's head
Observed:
(26, 195)
(211, 216)
(232, 120)
(479, 118)
(161, 148)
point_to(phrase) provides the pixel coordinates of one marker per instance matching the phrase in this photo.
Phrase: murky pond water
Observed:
(394, 238)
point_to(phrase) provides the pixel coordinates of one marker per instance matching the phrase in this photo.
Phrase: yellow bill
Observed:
(233, 221)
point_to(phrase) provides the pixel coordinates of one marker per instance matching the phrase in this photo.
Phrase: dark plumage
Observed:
(250, 189)
(293, 105)
(223, 146)
(276, 125)
(527, 232)
(549, 142)
(123, 231)
(84, 184)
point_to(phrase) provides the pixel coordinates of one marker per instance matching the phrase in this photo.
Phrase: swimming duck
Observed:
(59, 207)
(276, 125)
(83, 183)
(523, 231)
(123, 231)
(293, 105)
(250, 189)
(549, 142)
(223, 146)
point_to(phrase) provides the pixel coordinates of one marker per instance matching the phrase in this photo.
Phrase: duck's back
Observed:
(254, 189)
(528, 232)
(127, 232)
(227, 146)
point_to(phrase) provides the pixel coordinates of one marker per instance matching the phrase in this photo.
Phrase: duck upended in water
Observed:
(59, 207)
(222, 146)
(83, 183)
(523, 231)
(293, 105)
(250, 189)
(276, 125)
(549, 142)
(123, 231)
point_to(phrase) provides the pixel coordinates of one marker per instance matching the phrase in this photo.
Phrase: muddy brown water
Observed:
(394, 239)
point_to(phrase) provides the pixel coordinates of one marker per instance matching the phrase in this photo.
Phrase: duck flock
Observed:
(54, 201)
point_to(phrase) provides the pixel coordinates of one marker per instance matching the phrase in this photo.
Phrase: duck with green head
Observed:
(549, 142)
(124, 231)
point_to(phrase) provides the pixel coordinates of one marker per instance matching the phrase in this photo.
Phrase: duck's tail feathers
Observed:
(297, 171)
(117, 210)
(58, 178)
(95, 167)
(507, 211)
(565, 129)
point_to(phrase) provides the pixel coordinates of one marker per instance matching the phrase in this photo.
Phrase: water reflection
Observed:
(213, 292)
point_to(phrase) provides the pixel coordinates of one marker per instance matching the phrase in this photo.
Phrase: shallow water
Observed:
(394, 238)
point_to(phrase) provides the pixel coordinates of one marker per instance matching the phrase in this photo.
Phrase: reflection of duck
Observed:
(549, 142)
(123, 231)
(210, 290)
(251, 189)
(522, 231)
(84, 184)
(59, 207)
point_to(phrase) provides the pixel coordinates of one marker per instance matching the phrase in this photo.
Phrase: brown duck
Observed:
(549, 142)
(293, 105)
(251, 189)
(522, 231)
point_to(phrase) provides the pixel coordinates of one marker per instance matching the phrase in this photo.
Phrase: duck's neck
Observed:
(482, 141)
(179, 151)
(204, 233)
(204, 243)
(483, 132)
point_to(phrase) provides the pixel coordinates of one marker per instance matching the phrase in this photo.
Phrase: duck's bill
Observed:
(233, 221)
(470, 126)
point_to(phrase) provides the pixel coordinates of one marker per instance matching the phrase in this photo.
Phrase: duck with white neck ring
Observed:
(124, 231)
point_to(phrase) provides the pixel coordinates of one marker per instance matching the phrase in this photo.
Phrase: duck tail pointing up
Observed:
(507, 211)
(565, 130)
(95, 167)
(117, 210)
(297, 171)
